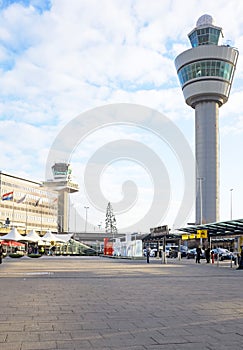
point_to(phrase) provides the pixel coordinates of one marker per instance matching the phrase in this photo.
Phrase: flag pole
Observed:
(26, 218)
(13, 211)
(41, 219)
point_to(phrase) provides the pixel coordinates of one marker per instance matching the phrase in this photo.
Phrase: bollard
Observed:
(212, 258)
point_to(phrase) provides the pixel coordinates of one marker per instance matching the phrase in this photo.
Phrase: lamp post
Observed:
(86, 215)
(231, 204)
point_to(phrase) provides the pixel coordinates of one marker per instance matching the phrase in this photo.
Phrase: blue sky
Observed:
(61, 58)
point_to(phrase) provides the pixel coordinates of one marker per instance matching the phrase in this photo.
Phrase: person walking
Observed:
(240, 267)
(198, 254)
(207, 255)
(148, 254)
(1, 253)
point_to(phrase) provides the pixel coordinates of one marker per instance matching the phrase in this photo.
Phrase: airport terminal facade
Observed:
(29, 205)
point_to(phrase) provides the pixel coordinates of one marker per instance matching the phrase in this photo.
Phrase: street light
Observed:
(86, 215)
(231, 203)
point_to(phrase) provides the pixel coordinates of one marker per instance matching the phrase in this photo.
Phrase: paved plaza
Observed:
(101, 303)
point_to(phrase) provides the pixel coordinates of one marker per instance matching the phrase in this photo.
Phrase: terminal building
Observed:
(40, 206)
(27, 205)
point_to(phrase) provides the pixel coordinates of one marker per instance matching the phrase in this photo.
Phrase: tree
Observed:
(110, 221)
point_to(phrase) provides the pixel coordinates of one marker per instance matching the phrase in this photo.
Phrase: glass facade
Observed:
(213, 68)
(205, 36)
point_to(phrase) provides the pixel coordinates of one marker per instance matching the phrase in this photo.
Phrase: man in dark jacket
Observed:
(1, 253)
(240, 267)
(207, 255)
(198, 254)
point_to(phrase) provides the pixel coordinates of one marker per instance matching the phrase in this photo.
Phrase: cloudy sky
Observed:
(62, 58)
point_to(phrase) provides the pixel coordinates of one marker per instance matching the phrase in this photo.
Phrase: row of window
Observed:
(33, 218)
(22, 217)
(205, 36)
(214, 68)
(27, 189)
(40, 208)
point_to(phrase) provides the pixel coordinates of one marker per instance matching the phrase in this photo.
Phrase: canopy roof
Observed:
(32, 236)
(13, 235)
(50, 237)
(64, 237)
(223, 228)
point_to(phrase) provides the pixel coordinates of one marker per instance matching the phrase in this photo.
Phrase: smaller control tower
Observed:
(62, 182)
(206, 74)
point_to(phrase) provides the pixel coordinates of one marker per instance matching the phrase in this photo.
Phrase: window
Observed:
(205, 36)
(215, 68)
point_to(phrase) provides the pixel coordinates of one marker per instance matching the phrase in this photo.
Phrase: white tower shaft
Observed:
(207, 157)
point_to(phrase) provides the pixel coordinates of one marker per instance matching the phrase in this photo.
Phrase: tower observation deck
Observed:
(206, 74)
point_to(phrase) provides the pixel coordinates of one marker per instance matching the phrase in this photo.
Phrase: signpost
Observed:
(202, 233)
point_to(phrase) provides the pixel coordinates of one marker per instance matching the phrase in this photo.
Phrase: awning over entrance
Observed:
(151, 238)
(223, 228)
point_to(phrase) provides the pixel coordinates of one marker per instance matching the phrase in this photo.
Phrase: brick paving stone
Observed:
(11, 346)
(44, 345)
(74, 345)
(37, 326)
(68, 326)
(45, 336)
(3, 336)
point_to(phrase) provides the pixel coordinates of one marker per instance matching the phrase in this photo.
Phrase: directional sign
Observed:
(202, 233)
(184, 237)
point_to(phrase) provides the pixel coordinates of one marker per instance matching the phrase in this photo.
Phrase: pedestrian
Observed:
(207, 255)
(198, 254)
(1, 253)
(148, 254)
(240, 267)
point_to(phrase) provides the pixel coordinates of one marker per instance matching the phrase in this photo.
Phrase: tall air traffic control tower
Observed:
(206, 73)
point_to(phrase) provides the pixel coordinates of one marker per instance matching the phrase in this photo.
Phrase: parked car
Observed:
(223, 254)
(191, 254)
(152, 252)
(183, 250)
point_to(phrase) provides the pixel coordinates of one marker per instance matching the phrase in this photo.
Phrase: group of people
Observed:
(30, 250)
(199, 254)
(208, 255)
